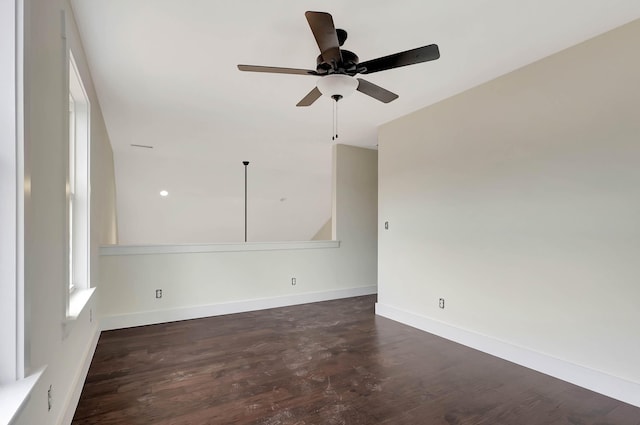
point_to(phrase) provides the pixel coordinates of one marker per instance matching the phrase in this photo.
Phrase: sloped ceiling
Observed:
(165, 72)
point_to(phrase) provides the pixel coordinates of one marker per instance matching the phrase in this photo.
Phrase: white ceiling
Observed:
(165, 73)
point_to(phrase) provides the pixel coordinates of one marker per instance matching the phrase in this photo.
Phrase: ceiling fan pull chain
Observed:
(333, 118)
(336, 98)
(336, 118)
(334, 130)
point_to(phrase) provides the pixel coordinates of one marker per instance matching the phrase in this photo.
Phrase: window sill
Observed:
(77, 302)
(15, 395)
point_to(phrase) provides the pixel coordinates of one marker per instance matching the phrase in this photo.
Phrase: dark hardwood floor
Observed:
(325, 363)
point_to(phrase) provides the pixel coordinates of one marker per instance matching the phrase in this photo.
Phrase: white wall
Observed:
(224, 278)
(518, 202)
(64, 349)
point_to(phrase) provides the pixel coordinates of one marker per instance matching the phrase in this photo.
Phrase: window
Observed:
(78, 184)
(72, 188)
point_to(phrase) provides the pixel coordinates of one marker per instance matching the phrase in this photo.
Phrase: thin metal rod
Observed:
(245, 199)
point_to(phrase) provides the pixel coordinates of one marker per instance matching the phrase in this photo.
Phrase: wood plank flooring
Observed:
(325, 363)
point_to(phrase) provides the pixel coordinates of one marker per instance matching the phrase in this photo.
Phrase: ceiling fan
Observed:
(337, 67)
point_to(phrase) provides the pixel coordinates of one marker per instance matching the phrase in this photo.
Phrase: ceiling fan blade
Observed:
(276, 70)
(310, 98)
(324, 31)
(377, 92)
(410, 57)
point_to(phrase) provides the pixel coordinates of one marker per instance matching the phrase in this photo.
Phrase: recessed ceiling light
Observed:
(164, 193)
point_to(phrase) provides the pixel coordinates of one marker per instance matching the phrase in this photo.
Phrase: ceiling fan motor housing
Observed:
(348, 65)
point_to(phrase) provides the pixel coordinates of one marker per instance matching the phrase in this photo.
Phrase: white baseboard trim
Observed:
(71, 403)
(603, 383)
(194, 312)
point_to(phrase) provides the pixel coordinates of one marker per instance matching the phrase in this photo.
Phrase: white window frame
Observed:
(71, 192)
(12, 367)
(78, 190)
(15, 385)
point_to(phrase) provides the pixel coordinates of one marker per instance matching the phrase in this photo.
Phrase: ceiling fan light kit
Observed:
(337, 84)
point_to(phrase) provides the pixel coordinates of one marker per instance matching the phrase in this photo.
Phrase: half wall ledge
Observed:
(214, 247)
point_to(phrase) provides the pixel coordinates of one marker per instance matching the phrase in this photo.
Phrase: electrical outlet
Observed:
(441, 303)
(293, 281)
(158, 293)
(386, 225)
(49, 398)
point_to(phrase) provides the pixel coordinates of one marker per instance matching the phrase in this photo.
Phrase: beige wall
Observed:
(324, 234)
(355, 213)
(63, 349)
(518, 202)
(196, 282)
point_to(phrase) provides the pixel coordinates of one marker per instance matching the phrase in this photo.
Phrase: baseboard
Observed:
(194, 312)
(78, 381)
(600, 382)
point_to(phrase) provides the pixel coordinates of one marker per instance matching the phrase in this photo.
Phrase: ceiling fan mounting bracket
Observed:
(342, 36)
